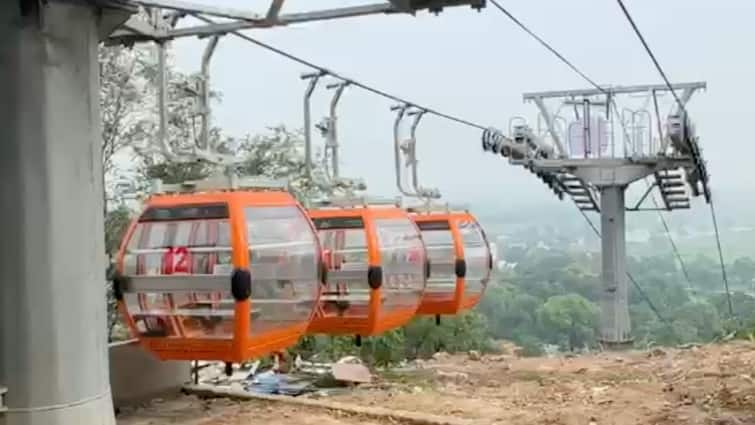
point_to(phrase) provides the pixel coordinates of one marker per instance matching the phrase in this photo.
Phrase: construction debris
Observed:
(351, 373)
(287, 378)
(279, 383)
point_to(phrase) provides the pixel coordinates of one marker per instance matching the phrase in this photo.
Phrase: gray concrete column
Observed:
(614, 324)
(53, 347)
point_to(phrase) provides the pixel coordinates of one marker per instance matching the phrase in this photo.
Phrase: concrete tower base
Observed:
(53, 345)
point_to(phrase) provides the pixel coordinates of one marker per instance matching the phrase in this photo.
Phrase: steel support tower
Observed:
(587, 149)
(53, 344)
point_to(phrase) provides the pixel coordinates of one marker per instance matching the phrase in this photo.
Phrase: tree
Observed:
(182, 130)
(743, 305)
(697, 321)
(464, 332)
(175, 172)
(116, 224)
(585, 284)
(128, 93)
(703, 272)
(126, 120)
(279, 154)
(125, 106)
(130, 116)
(570, 317)
(515, 314)
(743, 272)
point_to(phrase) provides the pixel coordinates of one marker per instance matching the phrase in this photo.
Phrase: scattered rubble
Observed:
(284, 378)
(351, 373)
(656, 352)
(510, 348)
(453, 376)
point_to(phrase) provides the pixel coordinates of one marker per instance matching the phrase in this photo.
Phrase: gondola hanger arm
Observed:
(401, 110)
(421, 192)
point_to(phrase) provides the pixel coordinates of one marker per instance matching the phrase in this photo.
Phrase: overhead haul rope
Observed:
(682, 108)
(364, 86)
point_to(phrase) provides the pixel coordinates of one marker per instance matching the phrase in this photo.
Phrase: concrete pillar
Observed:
(53, 347)
(614, 322)
(136, 375)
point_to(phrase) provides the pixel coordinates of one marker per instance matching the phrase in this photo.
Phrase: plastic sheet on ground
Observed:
(270, 382)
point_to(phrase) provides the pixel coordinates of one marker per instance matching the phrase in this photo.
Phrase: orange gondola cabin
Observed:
(225, 275)
(460, 258)
(376, 269)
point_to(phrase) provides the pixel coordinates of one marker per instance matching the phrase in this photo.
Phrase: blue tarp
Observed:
(273, 383)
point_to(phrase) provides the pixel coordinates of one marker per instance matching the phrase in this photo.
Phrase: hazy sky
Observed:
(477, 65)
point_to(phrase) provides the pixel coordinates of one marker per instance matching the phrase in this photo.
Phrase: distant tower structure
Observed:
(588, 149)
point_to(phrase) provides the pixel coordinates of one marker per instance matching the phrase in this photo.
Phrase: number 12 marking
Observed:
(176, 260)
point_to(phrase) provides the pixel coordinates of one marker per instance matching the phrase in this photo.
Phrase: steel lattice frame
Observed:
(139, 29)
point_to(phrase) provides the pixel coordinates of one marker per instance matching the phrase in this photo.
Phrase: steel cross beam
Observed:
(191, 8)
(282, 20)
(613, 90)
(137, 29)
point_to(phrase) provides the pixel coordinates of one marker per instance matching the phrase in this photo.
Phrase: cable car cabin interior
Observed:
(460, 260)
(219, 275)
(375, 270)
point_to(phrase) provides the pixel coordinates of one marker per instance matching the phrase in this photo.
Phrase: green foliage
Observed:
(531, 345)
(551, 297)
(279, 154)
(174, 172)
(419, 339)
(124, 75)
(697, 321)
(116, 224)
(378, 351)
(510, 312)
(568, 320)
(385, 349)
(743, 272)
(703, 272)
(464, 332)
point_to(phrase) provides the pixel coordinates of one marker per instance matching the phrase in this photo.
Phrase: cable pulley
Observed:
(493, 141)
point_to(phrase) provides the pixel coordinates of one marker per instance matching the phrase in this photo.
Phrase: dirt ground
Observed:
(190, 410)
(706, 385)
